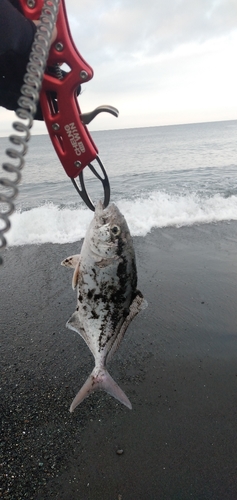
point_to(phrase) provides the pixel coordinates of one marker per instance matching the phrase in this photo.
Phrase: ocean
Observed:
(177, 175)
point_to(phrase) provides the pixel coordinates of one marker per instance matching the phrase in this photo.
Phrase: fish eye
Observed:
(115, 230)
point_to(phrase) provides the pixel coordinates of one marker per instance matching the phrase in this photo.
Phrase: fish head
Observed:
(108, 232)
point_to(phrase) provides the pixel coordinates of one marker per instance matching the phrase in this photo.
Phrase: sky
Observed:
(159, 62)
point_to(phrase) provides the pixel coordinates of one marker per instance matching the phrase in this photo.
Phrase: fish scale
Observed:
(105, 275)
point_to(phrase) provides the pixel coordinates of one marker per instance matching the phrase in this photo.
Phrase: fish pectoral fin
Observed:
(138, 304)
(71, 261)
(106, 262)
(100, 381)
(76, 275)
(74, 262)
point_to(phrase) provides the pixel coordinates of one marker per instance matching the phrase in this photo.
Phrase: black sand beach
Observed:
(177, 364)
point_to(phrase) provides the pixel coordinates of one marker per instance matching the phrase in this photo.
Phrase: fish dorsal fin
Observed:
(71, 261)
(137, 305)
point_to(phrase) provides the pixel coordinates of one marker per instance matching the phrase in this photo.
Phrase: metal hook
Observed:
(81, 189)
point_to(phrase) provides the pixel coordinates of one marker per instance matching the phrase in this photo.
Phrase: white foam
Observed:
(161, 209)
(48, 223)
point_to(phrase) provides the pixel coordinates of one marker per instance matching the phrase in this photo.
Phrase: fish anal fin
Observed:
(74, 324)
(71, 261)
(100, 381)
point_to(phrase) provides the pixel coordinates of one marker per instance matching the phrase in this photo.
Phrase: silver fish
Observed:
(106, 279)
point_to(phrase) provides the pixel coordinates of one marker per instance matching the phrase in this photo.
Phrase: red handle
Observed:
(70, 137)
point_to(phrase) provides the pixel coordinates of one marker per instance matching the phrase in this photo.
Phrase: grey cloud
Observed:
(123, 29)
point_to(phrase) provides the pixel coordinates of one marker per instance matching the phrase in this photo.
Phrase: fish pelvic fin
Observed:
(100, 380)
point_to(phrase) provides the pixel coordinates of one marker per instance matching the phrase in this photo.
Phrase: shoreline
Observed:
(177, 365)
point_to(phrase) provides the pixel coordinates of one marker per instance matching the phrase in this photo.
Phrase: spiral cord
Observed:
(27, 102)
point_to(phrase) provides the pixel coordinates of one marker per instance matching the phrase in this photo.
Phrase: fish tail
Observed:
(100, 381)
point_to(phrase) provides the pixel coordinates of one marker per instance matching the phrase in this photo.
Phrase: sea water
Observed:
(176, 175)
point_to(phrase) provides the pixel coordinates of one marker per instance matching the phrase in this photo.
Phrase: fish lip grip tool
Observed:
(60, 108)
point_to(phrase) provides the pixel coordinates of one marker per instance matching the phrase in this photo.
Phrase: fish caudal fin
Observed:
(100, 380)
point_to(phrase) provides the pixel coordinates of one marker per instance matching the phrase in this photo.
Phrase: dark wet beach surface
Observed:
(177, 364)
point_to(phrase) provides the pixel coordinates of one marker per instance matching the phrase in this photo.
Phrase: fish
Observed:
(105, 276)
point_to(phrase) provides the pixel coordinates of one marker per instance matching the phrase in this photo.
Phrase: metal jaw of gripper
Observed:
(79, 185)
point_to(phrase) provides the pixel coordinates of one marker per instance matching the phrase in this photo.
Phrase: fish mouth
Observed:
(104, 215)
(108, 212)
(101, 216)
(99, 208)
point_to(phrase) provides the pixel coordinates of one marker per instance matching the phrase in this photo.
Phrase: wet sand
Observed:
(177, 364)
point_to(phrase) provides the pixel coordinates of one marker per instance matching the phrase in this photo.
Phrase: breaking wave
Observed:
(51, 223)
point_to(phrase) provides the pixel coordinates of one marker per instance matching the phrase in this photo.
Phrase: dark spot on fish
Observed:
(94, 315)
(100, 296)
(125, 312)
(107, 339)
(102, 337)
(90, 294)
(120, 246)
(122, 267)
(80, 298)
(118, 293)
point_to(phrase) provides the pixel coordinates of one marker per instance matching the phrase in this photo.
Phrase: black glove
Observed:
(10, 86)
